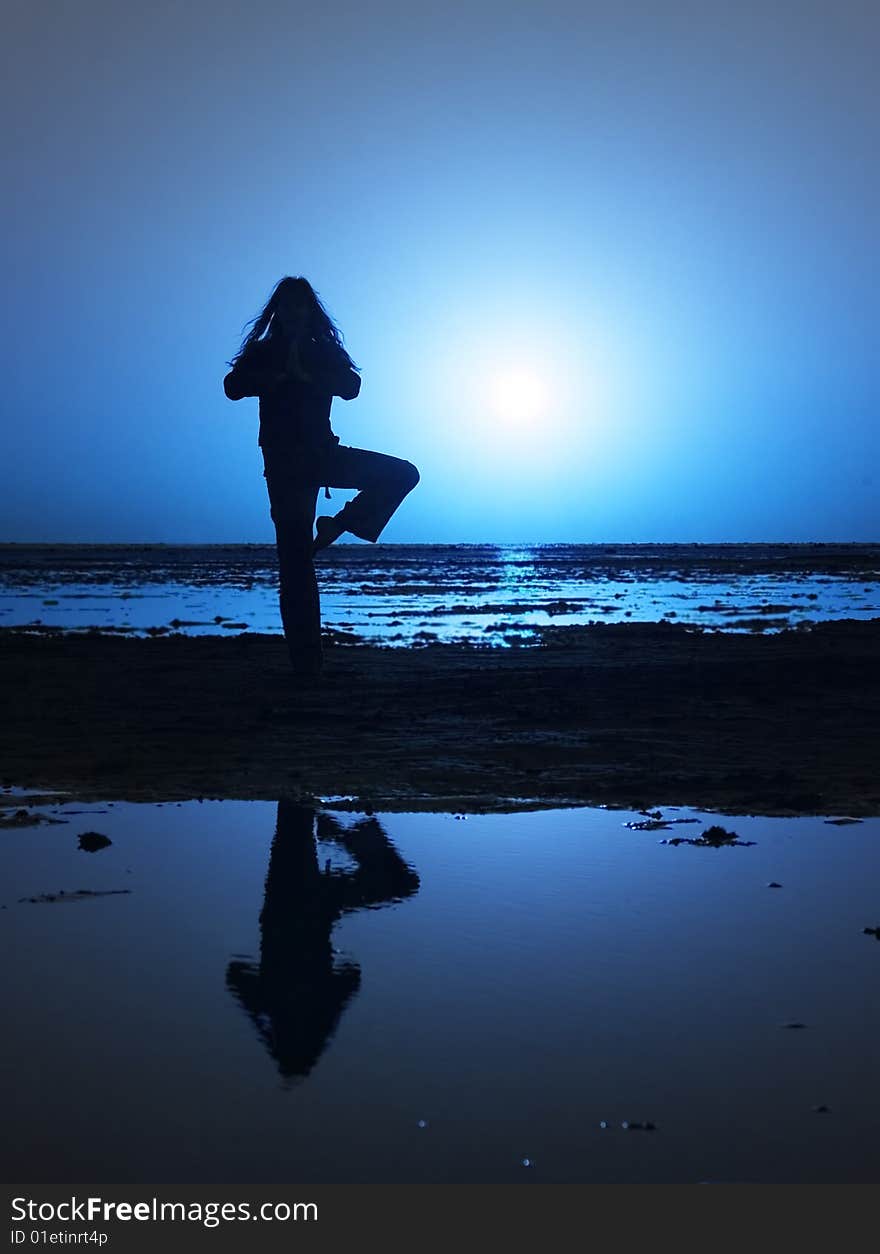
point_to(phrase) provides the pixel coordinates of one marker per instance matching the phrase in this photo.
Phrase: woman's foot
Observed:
(328, 529)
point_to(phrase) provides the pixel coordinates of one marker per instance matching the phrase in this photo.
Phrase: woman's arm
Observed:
(331, 371)
(328, 371)
(251, 380)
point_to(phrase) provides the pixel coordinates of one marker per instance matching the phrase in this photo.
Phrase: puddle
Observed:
(255, 992)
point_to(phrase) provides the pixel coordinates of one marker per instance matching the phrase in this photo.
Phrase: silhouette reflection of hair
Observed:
(297, 993)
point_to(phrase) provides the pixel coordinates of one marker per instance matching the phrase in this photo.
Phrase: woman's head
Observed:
(294, 305)
(293, 311)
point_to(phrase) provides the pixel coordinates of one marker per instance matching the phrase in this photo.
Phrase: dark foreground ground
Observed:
(633, 715)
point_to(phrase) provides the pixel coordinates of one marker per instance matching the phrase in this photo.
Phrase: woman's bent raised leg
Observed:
(383, 481)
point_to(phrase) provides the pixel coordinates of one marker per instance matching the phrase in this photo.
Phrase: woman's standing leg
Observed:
(293, 513)
(383, 481)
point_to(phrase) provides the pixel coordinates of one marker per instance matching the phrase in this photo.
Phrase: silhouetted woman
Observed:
(293, 359)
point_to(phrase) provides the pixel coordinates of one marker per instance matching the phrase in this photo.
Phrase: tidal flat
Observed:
(399, 595)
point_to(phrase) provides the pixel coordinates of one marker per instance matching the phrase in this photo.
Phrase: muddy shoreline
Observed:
(631, 715)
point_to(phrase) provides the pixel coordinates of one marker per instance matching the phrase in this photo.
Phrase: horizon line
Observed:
(401, 544)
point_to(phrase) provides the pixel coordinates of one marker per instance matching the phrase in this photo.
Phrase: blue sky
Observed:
(610, 270)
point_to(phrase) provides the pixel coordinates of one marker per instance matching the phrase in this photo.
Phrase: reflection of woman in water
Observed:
(294, 361)
(298, 990)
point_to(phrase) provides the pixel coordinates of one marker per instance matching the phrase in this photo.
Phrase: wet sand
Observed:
(441, 594)
(630, 715)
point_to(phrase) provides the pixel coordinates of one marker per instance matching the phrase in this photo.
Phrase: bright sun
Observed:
(518, 395)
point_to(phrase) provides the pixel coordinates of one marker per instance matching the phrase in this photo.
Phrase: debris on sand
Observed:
(79, 895)
(24, 818)
(654, 821)
(91, 842)
(714, 837)
(177, 623)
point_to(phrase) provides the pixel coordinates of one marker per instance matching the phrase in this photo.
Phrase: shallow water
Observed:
(411, 594)
(274, 995)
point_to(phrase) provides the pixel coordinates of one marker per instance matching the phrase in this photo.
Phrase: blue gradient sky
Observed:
(667, 212)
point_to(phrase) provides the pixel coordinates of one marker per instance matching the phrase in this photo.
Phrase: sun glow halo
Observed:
(518, 395)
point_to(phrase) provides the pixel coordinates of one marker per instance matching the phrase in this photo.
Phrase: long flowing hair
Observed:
(321, 328)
